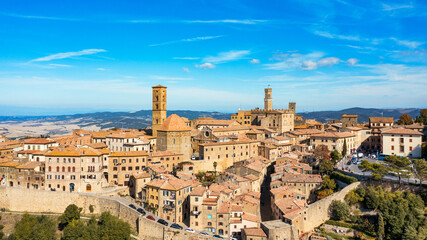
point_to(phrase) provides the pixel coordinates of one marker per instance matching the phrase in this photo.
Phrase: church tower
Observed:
(292, 106)
(268, 100)
(159, 107)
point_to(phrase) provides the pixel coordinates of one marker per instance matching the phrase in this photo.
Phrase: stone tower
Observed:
(159, 107)
(292, 106)
(268, 99)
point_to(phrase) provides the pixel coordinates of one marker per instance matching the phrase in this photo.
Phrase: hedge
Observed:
(343, 178)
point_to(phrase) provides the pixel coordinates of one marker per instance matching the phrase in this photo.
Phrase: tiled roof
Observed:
(198, 191)
(29, 165)
(172, 183)
(163, 153)
(401, 131)
(334, 135)
(349, 116)
(297, 178)
(252, 177)
(129, 154)
(210, 201)
(250, 217)
(174, 123)
(254, 232)
(236, 208)
(142, 175)
(159, 86)
(216, 122)
(381, 120)
(305, 132)
(9, 164)
(38, 141)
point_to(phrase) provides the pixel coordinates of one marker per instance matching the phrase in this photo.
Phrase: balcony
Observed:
(196, 213)
(169, 206)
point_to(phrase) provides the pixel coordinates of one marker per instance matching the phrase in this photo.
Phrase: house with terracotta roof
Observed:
(401, 142)
(253, 234)
(335, 141)
(174, 136)
(168, 197)
(242, 117)
(39, 143)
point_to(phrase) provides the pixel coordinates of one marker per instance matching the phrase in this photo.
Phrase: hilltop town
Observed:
(262, 174)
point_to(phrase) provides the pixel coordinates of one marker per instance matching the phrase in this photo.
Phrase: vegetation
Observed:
(321, 152)
(34, 228)
(339, 210)
(206, 178)
(215, 164)
(343, 178)
(424, 151)
(1, 230)
(72, 212)
(327, 188)
(344, 148)
(422, 118)
(335, 155)
(405, 119)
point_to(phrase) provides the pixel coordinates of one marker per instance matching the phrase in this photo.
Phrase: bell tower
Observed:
(159, 107)
(268, 99)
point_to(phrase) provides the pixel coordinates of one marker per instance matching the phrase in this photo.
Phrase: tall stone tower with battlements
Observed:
(268, 99)
(159, 107)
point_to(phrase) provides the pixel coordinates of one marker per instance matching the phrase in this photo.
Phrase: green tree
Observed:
(111, 227)
(215, 164)
(423, 117)
(378, 170)
(352, 198)
(399, 166)
(34, 228)
(420, 167)
(380, 228)
(326, 166)
(372, 199)
(405, 119)
(335, 156)
(344, 149)
(1, 230)
(424, 151)
(328, 183)
(339, 210)
(72, 212)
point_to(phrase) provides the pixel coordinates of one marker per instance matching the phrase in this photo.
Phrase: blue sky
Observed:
(85, 56)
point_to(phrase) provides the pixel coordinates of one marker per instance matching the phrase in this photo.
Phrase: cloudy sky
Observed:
(85, 56)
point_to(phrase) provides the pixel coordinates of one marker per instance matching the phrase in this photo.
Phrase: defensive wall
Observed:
(41, 201)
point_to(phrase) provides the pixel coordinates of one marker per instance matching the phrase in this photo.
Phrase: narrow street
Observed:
(265, 208)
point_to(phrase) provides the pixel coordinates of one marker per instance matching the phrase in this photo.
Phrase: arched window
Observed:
(57, 169)
(63, 169)
(74, 169)
(69, 169)
(50, 169)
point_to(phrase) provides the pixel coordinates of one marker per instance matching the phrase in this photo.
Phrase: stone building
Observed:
(253, 234)
(39, 144)
(376, 124)
(159, 107)
(402, 142)
(174, 136)
(349, 120)
(242, 117)
(335, 141)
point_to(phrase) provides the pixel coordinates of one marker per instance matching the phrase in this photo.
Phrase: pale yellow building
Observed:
(159, 107)
(242, 117)
(402, 142)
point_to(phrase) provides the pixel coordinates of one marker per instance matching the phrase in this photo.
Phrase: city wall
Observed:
(40, 201)
(318, 212)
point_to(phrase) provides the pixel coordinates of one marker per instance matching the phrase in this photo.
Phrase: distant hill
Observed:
(138, 119)
(363, 113)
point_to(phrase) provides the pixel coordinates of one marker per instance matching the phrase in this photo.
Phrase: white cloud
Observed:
(169, 78)
(338, 36)
(352, 61)
(59, 65)
(236, 21)
(186, 58)
(309, 65)
(387, 7)
(205, 66)
(227, 56)
(68, 55)
(254, 61)
(185, 69)
(329, 61)
(194, 39)
(101, 69)
(409, 44)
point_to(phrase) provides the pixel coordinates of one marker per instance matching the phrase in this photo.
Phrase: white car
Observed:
(360, 155)
(190, 230)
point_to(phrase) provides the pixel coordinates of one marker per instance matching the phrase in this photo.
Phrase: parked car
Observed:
(360, 155)
(163, 222)
(349, 162)
(132, 206)
(151, 217)
(204, 234)
(190, 230)
(174, 225)
(232, 238)
(141, 211)
(218, 236)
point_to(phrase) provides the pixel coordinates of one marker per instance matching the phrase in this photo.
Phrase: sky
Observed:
(59, 57)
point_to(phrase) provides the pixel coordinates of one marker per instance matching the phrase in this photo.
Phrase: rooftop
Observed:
(174, 123)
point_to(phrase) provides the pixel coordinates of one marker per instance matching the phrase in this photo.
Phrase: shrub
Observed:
(343, 178)
(339, 210)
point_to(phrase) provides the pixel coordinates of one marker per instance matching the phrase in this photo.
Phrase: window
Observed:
(392, 147)
(410, 140)
(402, 148)
(392, 139)
(410, 148)
(209, 216)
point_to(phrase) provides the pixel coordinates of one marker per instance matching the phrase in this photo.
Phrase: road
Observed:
(353, 168)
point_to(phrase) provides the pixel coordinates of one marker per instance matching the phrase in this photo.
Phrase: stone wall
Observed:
(20, 200)
(318, 212)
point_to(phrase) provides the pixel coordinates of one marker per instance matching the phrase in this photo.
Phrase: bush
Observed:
(343, 178)
(339, 210)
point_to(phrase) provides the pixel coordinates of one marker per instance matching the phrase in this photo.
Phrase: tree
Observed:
(215, 164)
(91, 208)
(328, 183)
(372, 199)
(420, 167)
(321, 152)
(344, 148)
(335, 156)
(326, 166)
(422, 118)
(352, 198)
(34, 228)
(424, 151)
(339, 210)
(72, 212)
(1, 230)
(324, 193)
(110, 227)
(399, 166)
(405, 119)
(378, 170)
(380, 229)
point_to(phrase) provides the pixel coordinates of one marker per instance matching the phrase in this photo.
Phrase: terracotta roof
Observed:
(297, 178)
(381, 120)
(174, 123)
(29, 165)
(98, 145)
(172, 183)
(236, 208)
(305, 132)
(210, 201)
(252, 177)
(163, 153)
(401, 131)
(198, 191)
(159, 86)
(255, 232)
(334, 135)
(216, 122)
(231, 128)
(129, 154)
(122, 135)
(38, 141)
(9, 164)
(224, 208)
(415, 126)
(250, 217)
(349, 116)
(142, 175)
(227, 143)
